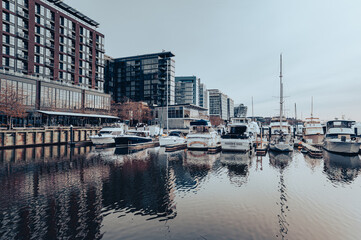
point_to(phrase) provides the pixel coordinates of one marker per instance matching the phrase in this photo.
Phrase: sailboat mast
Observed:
(312, 108)
(281, 93)
(252, 110)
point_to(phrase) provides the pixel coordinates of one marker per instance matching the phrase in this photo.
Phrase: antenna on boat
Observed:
(311, 107)
(296, 113)
(281, 93)
(252, 110)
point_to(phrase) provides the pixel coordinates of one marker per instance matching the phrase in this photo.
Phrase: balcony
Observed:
(50, 45)
(23, 14)
(50, 26)
(22, 56)
(22, 35)
(100, 49)
(71, 53)
(49, 64)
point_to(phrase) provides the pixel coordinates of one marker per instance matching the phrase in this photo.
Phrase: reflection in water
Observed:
(281, 161)
(341, 168)
(50, 192)
(313, 163)
(238, 165)
(58, 193)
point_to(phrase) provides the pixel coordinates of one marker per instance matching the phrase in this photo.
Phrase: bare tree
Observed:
(135, 112)
(12, 103)
(216, 120)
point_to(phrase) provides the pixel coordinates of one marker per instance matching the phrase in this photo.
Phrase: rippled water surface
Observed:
(84, 193)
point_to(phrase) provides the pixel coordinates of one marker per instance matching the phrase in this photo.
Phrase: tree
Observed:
(12, 103)
(216, 120)
(135, 112)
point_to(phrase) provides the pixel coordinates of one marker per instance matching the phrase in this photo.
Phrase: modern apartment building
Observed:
(203, 96)
(230, 108)
(240, 111)
(52, 54)
(142, 78)
(187, 90)
(49, 39)
(218, 104)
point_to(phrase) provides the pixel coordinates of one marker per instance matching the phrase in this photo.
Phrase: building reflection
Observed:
(49, 192)
(142, 184)
(341, 168)
(281, 161)
(238, 165)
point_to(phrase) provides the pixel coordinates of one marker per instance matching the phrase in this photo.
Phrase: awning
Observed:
(77, 114)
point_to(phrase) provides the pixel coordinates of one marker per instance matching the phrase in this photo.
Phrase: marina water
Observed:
(83, 193)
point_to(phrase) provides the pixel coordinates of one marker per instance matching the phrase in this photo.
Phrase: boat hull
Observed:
(281, 147)
(127, 140)
(167, 141)
(314, 138)
(236, 145)
(342, 147)
(102, 140)
(203, 143)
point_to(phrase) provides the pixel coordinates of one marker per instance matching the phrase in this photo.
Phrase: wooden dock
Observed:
(141, 146)
(175, 147)
(313, 151)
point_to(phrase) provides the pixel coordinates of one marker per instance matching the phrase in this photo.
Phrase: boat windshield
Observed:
(340, 124)
(238, 130)
(176, 134)
(200, 129)
(105, 132)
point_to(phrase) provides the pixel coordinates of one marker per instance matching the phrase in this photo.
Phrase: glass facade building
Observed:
(240, 111)
(203, 96)
(187, 90)
(218, 104)
(142, 78)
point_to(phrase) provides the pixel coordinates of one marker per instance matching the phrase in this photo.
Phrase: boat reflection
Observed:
(341, 168)
(238, 165)
(311, 162)
(280, 160)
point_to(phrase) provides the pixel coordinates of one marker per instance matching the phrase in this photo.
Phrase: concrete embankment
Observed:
(45, 136)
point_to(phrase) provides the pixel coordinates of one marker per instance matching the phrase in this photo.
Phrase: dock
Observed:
(175, 147)
(141, 146)
(313, 151)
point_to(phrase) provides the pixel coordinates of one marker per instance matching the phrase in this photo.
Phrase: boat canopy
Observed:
(199, 123)
(340, 124)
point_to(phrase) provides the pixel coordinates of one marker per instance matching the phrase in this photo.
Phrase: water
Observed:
(55, 193)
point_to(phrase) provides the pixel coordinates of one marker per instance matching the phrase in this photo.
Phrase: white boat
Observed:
(174, 138)
(133, 137)
(202, 136)
(281, 138)
(341, 138)
(240, 136)
(281, 135)
(106, 135)
(313, 131)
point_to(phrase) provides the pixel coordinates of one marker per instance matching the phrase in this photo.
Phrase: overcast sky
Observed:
(234, 45)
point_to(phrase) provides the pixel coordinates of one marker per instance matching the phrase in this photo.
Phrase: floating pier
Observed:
(313, 151)
(141, 146)
(175, 147)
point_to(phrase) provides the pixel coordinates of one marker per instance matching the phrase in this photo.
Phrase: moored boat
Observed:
(281, 138)
(106, 135)
(174, 138)
(240, 136)
(202, 136)
(340, 137)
